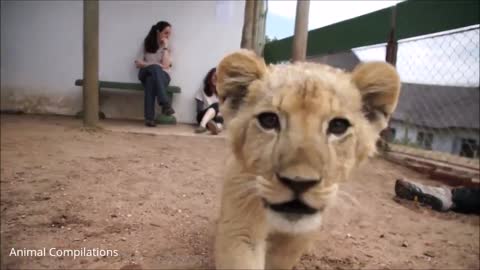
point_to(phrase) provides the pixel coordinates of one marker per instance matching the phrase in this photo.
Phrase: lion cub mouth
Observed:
(293, 207)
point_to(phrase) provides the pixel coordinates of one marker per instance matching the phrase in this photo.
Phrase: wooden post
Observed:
(90, 62)
(253, 28)
(392, 45)
(390, 57)
(299, 50)
(259, 26)
(253, 33)
(248, 23)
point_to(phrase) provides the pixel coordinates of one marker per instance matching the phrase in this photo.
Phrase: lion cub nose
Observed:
(298, 185)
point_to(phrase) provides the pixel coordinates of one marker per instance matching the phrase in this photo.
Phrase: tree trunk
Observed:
(299, 48)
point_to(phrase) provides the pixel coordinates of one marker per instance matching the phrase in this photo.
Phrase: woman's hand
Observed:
(164, 67)
(139, 63)
(166, 61)
(165, 42)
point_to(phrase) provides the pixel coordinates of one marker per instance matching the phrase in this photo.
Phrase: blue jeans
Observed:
(155, 82)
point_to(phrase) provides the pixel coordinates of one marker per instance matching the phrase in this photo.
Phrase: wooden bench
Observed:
(125, 86)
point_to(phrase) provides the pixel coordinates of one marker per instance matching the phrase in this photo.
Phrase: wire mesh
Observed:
(438, 111)
(349, 59)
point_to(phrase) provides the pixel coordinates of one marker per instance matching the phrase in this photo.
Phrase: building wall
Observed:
(403, 132)
(464, 134)
(41, 55)
(447, 140)
(42, 48)
(443, 141)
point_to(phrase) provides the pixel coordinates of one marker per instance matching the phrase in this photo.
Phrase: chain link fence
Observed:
(438, 116)
(349, 59)
(438, 112)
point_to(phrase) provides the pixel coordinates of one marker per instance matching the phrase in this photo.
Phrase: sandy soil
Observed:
(154, 199)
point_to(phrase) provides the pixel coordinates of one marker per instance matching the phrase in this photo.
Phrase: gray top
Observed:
(156, 58)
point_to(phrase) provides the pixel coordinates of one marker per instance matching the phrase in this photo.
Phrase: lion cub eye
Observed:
(268, 120)
(338, 126)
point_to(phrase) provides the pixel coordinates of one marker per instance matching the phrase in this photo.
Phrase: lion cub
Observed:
(295, 131)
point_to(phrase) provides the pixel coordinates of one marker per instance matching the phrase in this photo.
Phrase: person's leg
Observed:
(149, 96)
(466, 199)
(439, 198)
(200, 116)
(209, 115)
(218, 119)
(206, 122)
(162, 80)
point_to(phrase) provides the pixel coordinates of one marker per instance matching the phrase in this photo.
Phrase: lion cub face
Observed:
(301, 128)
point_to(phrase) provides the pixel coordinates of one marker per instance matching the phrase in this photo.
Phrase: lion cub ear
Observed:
(379, 85)
(235, 73)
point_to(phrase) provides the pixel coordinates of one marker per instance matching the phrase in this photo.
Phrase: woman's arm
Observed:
(165, 63)
(144, 63)
(166, 59)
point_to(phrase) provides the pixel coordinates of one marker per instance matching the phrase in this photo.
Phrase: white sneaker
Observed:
(439, 198)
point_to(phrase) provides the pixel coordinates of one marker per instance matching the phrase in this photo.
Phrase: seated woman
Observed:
(154, 71)
(208, 115)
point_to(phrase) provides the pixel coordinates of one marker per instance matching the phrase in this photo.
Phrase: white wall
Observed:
(42, 43)
(41, 55)
(401, 131)
(443, 141)
(447, 141)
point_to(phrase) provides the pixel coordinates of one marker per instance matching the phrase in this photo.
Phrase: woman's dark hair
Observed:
(208, 87)
(150, 43)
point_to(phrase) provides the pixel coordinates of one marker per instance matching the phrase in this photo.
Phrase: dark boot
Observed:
(168, 110)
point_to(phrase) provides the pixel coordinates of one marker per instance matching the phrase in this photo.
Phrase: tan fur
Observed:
(306, 97)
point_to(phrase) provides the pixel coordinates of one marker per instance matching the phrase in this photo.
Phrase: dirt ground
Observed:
(154, 199)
